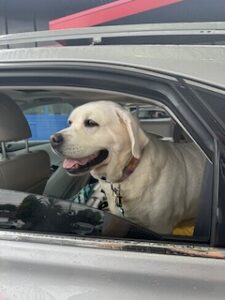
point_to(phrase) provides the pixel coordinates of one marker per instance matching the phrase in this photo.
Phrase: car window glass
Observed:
(46, 119)
(36, 213)
(216, 102)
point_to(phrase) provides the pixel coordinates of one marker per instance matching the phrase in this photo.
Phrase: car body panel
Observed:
(46, 266)
(45, 271)
(204, 63)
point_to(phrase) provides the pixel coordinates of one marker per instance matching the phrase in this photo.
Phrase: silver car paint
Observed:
(38, 270)
(45, 271)
(205, 63)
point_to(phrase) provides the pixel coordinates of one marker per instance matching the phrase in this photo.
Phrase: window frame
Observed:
(121, 79)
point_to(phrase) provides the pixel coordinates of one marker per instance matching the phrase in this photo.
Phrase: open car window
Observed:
(166, 110)
(38, 213)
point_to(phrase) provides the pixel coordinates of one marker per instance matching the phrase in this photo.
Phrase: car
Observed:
(55, 248)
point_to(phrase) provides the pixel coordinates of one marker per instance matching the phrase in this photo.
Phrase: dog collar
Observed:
(129, 169)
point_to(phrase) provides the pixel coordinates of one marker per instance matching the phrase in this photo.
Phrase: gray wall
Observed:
(28, 15)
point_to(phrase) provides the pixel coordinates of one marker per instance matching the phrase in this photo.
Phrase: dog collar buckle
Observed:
(118, 198)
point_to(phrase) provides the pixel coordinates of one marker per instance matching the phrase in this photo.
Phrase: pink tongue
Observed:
(71, 163)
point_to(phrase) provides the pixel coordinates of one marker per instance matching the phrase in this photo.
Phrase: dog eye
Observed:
(90, 123)
(69, 122)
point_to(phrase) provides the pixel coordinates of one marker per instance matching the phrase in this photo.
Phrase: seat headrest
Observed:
(13, 124)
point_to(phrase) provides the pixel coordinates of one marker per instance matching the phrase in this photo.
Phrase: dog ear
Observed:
(137, 136)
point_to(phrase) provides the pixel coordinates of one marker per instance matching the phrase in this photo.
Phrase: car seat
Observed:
(26, 172)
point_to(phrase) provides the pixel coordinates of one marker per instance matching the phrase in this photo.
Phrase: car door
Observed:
(56, 265)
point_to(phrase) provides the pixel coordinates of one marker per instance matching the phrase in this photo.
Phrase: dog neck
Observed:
(129, 168)
(127, 171)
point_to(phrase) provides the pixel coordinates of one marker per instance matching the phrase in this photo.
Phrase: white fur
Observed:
(165, 187)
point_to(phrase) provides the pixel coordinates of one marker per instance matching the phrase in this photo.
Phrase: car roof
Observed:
(197, 62)
(204, 63)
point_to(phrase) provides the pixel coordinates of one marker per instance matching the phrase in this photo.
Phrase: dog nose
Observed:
(56, 139)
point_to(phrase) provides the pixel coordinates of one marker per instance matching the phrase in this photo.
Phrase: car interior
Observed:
(30, 165)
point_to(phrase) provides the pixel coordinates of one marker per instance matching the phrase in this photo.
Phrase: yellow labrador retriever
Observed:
(151, 182)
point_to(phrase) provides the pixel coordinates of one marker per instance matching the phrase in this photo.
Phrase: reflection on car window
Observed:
(36, 213)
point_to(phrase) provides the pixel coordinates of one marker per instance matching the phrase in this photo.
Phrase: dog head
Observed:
(101, 138)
